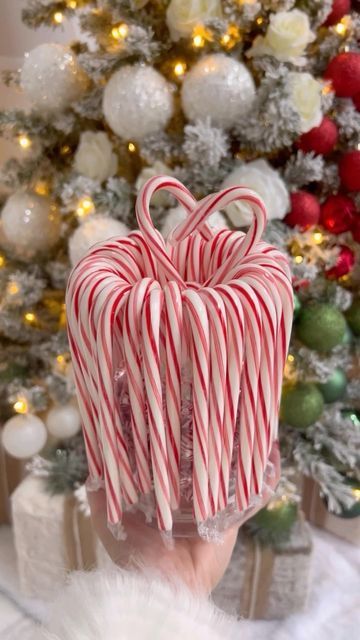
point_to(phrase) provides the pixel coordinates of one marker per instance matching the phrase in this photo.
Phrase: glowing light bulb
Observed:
(318, 237)
(342, 27)
(356, 493)
(231, 37)
(72, 4)
(13, 288)
(298, 259)
(41, 188)
(120, 31)
(2, 261)
(291, 358)
(58, 17)
(198, 41)
(259, 20)
(21, 405)
(131, 147)
(24, 141)
(85, 207)
(30, 317)
(65, 150)
(179, 68)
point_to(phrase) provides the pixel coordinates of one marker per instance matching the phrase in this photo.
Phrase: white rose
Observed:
(94, 157)
(267, 183)
(161, 198)
(178, 214)
(306, 98)
(287, 37)
(183, 16)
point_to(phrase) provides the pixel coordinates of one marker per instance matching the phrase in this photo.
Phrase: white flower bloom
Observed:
(178, 214)
(267, 183)
(183, 16)
(94, 157)
(306, 98)
(287, 37)
(161, 198)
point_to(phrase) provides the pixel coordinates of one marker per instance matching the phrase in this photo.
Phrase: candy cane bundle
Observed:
(210, 308)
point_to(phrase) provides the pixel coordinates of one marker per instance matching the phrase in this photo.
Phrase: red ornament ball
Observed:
(339, 9)
(304, 211)
(356, 229)
(349, 170)
(356, 101)
(321, 139)
(337, 214)
(344, 73)
(344, 263)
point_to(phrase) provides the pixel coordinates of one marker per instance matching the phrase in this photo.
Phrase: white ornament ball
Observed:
(63, 422)
(51, 77)
(218, 87)
(24, 435)
(30, 223)
(95, 229)
(137, 102)
(178, 214)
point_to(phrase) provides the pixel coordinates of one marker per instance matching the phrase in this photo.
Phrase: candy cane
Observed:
(223, 300)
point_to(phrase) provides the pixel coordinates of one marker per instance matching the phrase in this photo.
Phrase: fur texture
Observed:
(118, 605)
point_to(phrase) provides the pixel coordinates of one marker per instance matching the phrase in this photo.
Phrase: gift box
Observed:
(53, 536)
(11, 473)
(267, 582)
(317, 513)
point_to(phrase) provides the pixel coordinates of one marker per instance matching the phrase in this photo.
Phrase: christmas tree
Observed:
(215, 93)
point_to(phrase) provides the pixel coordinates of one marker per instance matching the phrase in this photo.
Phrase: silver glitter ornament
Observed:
(137, 102)
(218, 87)
(30, 224)
(51, 77)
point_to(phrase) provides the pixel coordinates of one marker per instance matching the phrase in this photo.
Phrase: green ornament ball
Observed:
(273, 525)
(301, 405)
(348, 336)
(353, 317)
(321, 326)
(334, 388)
(297, 306)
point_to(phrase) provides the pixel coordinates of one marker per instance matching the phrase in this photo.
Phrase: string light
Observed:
(318, 237)
(2, 261)
(342, 27)
(21, 405)
(298, 259)
(356, 493)
(291, 358)
(12, 288)
(30, 317)
(85, 207)
(198, 41)
(24, 141)
(231, 37)
(120, 31)
(259, 20)
(131, 147)
(179, 68)
(72, 4)
(58, 17)
(327, 88)
(65, 150)
(200, 35)
(41, 188)
(61, 363)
